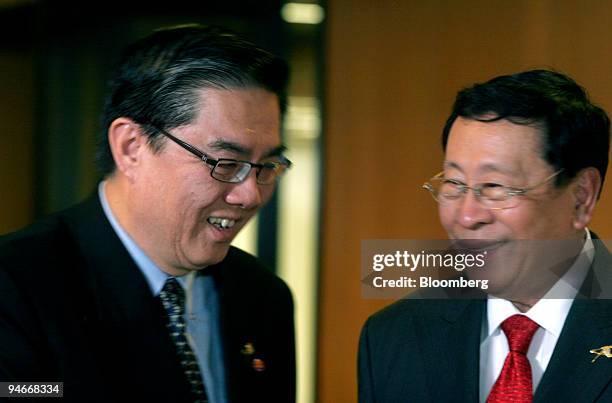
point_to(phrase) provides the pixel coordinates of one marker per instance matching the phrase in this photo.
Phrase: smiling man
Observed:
(136, 294)
(525, 161)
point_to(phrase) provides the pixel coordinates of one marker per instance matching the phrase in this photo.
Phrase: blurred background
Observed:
(372, 83)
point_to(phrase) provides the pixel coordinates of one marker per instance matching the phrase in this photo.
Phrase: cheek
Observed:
(196, 192)
(446, 215)
(558, 221)
(529, 222)
(517, 219)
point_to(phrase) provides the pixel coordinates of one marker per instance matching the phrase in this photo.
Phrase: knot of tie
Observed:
(519, 330)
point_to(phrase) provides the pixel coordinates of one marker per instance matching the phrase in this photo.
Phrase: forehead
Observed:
(494, 146)
(248, 116)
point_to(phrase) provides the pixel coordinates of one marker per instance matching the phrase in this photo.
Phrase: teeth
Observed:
(221, 222)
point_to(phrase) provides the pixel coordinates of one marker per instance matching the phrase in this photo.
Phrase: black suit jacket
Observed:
(424, 350)
(75, 308)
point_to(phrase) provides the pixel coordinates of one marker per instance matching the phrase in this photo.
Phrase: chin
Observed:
(501, 269)
(212, 256)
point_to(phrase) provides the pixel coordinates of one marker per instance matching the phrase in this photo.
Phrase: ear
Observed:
(126, 143)
(586, 186)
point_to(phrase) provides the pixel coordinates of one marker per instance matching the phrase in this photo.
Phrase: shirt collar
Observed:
(551, 310)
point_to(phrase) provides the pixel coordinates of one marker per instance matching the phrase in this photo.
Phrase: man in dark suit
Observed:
(136, 294)
(525, 160)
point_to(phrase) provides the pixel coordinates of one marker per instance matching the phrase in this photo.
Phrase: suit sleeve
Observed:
(19, 359)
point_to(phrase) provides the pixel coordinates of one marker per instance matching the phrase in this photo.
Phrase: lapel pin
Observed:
(605, 350)
(258, 365)
(248, 349)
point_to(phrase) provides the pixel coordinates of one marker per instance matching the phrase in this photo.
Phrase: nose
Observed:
(246, 194)
(471, 214)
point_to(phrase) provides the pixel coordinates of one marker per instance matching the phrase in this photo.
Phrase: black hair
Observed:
(158, 77)
(575, 132)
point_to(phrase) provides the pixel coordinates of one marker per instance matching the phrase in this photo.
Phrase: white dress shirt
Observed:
(548, 313)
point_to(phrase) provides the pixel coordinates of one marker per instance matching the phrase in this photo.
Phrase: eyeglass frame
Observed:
(477, 189)
(214, 162)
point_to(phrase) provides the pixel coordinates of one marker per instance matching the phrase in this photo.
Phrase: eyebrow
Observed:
(225, 145)
(484, 168)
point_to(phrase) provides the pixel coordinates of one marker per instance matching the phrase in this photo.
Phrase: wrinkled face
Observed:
(178, 207)
(505, 153)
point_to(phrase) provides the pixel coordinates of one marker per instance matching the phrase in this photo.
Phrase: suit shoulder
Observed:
(247, 269)
(398, 310)
(36, 244)
(409, 310)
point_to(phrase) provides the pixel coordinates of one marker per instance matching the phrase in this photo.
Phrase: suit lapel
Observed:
(121, 291)
(570, 375)
(232, 326)
(238, 327)
(127, 321)
(452, 350)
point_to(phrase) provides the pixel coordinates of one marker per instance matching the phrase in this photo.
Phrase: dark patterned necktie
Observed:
(173, 299)
(514, 383)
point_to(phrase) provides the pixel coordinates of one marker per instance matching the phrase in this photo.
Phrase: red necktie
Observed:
(514, 382)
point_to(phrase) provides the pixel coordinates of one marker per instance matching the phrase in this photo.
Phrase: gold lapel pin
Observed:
(605, 350)
(258, 365)
(248, 349)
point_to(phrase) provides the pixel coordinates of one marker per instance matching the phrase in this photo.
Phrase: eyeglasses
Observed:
(235, 171)
(492, 195)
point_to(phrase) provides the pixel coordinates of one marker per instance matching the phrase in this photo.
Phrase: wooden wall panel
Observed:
(392, 71)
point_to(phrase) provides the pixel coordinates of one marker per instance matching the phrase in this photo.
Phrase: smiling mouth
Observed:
(221, 223)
